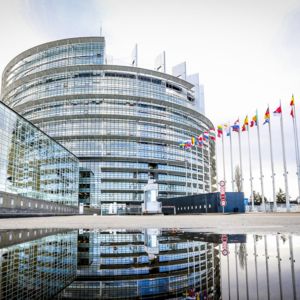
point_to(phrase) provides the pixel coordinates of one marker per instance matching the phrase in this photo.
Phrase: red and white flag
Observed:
(278, 111)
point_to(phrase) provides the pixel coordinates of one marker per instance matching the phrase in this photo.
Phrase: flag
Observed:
(245, 125)
(278, 111)
(200, 140)
(205, 135)
(188, 145)
(267, 116)
(212, 134)
(292, 103)
(182, 144)
(227, 129)
(253, 121)
(193, 141)
(220, 130)
(185, 145)
(236, 126)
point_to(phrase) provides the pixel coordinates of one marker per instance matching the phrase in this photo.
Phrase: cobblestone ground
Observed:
(228, 223)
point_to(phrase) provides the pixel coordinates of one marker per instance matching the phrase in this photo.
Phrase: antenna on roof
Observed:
(180, 70)
(160, 62)
(134, 56)
(101, 30)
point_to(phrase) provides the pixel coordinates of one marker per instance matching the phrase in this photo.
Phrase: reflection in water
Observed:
(147, 264)
(268, 267)
(36, 269)
(242, 255)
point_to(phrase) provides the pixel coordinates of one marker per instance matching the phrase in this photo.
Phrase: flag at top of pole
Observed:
(292, 104)
(220, 130)
(193, 141)
(227, 129)
(236, 126)
(185, 144)
(245, 125)
(278, 111)
(200, 140)
(212, 134)
(254, 121)
(205, 135)
(267, 116)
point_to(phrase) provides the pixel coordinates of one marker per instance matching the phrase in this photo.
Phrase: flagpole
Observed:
(284, 165)
(296, 147)
(279, 265)
(255, 264)
(203, 172)
(236, 272)
(272, 166)
(267, 265)
(250, 168)
(292, 266)
(214, 152)
(223, 152)
(192, 186)
(186, 172)
(241, 165)
(246, 271)
(260, 165)
(197, 169)
(231, 160)
(209, 164)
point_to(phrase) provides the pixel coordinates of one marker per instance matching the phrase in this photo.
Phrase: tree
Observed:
(257, 197)
(238, 178)
(280, 196)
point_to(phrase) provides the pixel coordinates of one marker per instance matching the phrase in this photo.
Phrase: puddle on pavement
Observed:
(147, 264)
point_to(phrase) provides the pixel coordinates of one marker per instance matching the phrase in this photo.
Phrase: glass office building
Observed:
(34, 165)
(124, 123)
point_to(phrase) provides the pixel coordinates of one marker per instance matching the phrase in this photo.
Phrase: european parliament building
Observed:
(123, 123)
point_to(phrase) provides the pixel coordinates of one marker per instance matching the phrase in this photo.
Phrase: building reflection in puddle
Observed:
(36, 268)
(147, 264)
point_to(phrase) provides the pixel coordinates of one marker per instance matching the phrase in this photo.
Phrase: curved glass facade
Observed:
(123, 123)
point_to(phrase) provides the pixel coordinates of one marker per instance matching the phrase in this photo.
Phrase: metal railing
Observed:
(270, 208)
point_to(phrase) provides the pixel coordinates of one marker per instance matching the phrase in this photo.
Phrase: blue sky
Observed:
(246, 51)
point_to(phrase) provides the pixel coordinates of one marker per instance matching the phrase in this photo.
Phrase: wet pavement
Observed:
(218, 223)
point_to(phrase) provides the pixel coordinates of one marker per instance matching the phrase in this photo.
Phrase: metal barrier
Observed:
(268, 207)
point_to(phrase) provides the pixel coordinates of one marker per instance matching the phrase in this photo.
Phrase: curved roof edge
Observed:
(43, 46)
